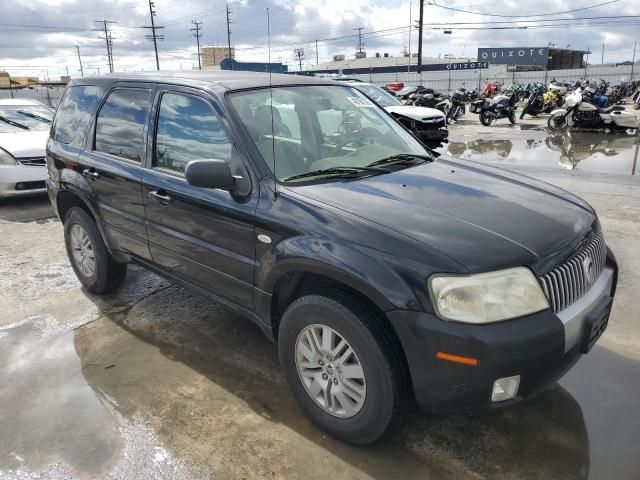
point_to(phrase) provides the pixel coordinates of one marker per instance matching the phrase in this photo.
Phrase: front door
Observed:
(203, 236)
(111, 165)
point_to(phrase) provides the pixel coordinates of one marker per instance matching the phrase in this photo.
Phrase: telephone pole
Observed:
(317, 63)
(80, 61)
(229, 36)
(299, 52)
(420, 21)
(154, 36)
(360, 45)
(197, 34)
(108, 39)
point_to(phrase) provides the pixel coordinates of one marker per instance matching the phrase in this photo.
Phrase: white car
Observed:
(428, 124)
(24, 129)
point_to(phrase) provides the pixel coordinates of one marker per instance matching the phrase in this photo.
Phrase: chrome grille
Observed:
(38, 161)
(569, 281)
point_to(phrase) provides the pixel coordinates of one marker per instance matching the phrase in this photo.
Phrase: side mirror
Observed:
(210, 174)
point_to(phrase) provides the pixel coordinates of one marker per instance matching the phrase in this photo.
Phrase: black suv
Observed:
(381, 271)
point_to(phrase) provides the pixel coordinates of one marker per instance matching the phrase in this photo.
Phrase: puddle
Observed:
(55, 426)
(586, 151)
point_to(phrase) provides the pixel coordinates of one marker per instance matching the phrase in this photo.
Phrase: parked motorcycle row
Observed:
(581, 104)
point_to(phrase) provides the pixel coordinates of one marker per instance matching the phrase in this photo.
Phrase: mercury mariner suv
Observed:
(381, 270)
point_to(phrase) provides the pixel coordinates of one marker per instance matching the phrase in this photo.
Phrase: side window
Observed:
(188, 129)
(120, 123)
(73, 114)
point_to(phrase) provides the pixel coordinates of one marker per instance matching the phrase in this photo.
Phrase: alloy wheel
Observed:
(83, 253)
(330, 371)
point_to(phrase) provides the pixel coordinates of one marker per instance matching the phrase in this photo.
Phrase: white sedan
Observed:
(24, 129)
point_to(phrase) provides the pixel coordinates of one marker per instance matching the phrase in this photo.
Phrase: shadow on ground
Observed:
(169, 356)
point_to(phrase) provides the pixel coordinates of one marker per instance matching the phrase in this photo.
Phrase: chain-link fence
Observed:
(445, 81)
(48, 95)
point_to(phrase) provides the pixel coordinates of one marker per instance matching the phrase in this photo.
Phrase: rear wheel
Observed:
(486, 119)
(512, 117)
(92, 263)
(341, 367)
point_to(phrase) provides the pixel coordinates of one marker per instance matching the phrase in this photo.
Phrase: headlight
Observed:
(487, 297)
(6, 158)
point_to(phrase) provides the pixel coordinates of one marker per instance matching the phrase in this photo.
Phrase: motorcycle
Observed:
(579, 112)
(636, 99)
(490, 109)
(458, 100)
(430, 99)
(535, 103)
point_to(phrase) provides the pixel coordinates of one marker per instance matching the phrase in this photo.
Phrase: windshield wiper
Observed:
(34, 116)
(15, 124)
(338, 172)
(401, 158)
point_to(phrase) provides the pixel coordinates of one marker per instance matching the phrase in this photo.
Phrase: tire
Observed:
(106, 274)
(524, 110)
(558, 122)
(385, 383)
(512, 117)
(486, 119)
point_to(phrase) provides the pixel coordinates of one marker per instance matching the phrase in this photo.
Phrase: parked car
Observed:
(379, 270)
(24, 129)
(428, 124)
(394, 86)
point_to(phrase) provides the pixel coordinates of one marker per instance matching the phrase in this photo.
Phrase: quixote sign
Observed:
(464, 65)
(514, 56)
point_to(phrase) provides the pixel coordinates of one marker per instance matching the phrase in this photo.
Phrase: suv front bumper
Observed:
(540, 348)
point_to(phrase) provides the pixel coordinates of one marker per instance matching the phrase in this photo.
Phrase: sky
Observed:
(39, 37)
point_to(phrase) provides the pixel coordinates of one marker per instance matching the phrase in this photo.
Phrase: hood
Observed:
(416, 113)
(25, 143)
(484, 218)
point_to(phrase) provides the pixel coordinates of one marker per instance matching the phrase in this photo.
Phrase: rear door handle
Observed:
(91, 173)
(163, 198)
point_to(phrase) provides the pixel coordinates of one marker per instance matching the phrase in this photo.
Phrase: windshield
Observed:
(381, 96)
(24, 117)
(319, 127)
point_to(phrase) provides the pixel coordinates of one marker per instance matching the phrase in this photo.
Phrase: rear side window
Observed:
(120, 123)
(73, 114)
(188, 129)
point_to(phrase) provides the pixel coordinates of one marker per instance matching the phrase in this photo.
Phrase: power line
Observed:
(197, 34)
(523, 16)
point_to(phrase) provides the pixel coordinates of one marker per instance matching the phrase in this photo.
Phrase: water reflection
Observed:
(588, 151)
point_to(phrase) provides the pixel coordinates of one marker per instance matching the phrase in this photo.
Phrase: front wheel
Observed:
(486, 119)
(558, 122)
(341, 366)
(93, 264)
(524, 110)
(512, 117)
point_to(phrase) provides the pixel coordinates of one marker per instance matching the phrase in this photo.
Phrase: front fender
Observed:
(559, 111)
(366, 273)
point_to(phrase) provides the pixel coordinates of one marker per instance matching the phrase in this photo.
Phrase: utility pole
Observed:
(410, 28)
(420, 21)
(108, 38)
(80, 61)
(154, 36)
(229, 36)
(197, 34)
(602, 61)
(633, 60)
(359, 45)
(299, 52)
(317, 63)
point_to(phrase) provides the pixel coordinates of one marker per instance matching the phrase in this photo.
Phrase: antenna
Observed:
(273, 135)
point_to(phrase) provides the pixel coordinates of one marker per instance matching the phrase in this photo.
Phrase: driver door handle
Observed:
(91, 173)
(160, 196)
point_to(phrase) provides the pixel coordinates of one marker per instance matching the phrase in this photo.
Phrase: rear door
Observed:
(203, 236)
(112, 166)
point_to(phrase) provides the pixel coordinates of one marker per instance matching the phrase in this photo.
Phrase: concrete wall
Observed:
(445, 81)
